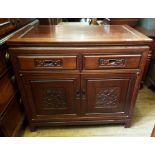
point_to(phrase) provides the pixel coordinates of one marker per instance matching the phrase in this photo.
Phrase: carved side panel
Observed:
(54, 98)
(107, 97)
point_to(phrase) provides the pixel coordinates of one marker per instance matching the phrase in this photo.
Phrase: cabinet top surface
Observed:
(79, 34)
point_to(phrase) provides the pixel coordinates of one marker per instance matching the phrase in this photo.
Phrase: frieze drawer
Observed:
(47, 62)
(100, 62)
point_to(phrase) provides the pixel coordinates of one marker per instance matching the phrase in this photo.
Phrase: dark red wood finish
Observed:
(12, 114)
(79, 75)
(8, 25)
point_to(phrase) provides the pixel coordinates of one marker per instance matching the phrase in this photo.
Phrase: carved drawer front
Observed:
(105, 94)
(99, 62)
(52, 96)
(47, 62)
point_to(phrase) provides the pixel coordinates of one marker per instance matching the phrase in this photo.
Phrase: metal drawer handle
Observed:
(20, 101)
(83, 93)
(13, 79)
(7, 56)
(48, 62)
(78, 94)
(111, 62)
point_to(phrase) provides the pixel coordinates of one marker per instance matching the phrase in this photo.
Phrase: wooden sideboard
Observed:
(78, 75)
(11, 109)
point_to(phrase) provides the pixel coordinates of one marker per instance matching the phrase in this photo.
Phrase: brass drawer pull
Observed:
(48, 62)
(7, 56)
(111, 62)
(13, 79)
(20, 101)
(83, 93)
(78, 94)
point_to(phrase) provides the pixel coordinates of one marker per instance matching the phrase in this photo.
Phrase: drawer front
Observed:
(99, 62)
(47, 62)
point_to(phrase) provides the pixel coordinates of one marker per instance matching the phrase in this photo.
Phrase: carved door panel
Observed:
(107, 93)
(52, 96)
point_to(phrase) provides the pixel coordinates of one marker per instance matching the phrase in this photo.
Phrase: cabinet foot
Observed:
(32, 128)
(127, 124)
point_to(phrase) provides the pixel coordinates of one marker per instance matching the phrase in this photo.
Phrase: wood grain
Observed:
(98, 84)
(67, 35)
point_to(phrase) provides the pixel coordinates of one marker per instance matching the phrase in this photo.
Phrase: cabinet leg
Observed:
(32, 128)
(127, 124)
(141, 85)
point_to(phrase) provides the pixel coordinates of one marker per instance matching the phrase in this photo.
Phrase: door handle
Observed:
(78, 94)
(7, 57)
(83, 93)
(13, 79)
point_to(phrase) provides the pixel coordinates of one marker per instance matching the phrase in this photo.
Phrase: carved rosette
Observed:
(54, 99)
(107, 97)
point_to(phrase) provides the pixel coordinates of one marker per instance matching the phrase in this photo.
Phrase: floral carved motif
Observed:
(107, 96)
(48, 63)
(111, 62)
(54, 98)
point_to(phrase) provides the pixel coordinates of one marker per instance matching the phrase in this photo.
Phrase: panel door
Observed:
(107, 94)
(52, 96)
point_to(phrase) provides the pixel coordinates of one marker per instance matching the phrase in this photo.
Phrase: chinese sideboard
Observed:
(79, 75)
